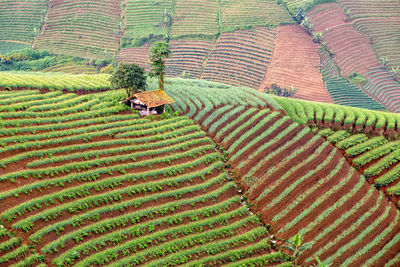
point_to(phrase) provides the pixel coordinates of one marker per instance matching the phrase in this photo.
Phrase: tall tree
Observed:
(129, 76)
(158, 53)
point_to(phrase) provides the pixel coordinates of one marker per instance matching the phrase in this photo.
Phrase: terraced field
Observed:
(241, 57)
(54, 81)
(143, 17)
(239, 14)
(7, 47)
(298, 181)
(137, 55)
(341, 90)
(369, 140)
(90, 29)
(21, 20)
(295, 62)
(88, 183)
(188, 58)
(194, 17)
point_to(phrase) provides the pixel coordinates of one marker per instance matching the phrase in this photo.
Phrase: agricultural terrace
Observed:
(58, 81)
(187, 58)
(350, 43)
(342, 91)
(245, 13)
(368, 8)
(299, 181)
(368, 139)
(295, 62)
(137, 55)
(7, 47)
(86, 182)
(351, 48)
(90, 29)
(385, 36)
(241, 57)
(72, 68)
(143, 18)
(194, 17)
(21, 20)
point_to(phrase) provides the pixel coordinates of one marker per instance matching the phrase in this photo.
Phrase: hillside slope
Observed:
(298, 181)
(86, 182)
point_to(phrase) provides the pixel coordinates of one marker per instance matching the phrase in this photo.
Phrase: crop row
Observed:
(60, 81)
(141, 240)
(109, 197)
(110, 224)
(306, 112)
(134, 217)
(83, 190)
(92, 175)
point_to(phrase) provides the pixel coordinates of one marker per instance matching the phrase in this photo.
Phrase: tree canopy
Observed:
(129, 76)
(157, 55)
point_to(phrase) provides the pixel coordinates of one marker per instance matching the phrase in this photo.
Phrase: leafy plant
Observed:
(157, 55)
(129, 76)
(296, 246)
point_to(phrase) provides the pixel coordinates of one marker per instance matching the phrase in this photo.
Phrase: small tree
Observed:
(296, 246)
(158, 53)
(129, 76)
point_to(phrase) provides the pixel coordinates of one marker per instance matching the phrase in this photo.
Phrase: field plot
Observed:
(295, 62)
(326, 16)
(143, 17)
(187, 58)
(299, 181)
(72, 68)
(351, 48)
(241, 57)
(7, 47)
(342, 91)
(239, 14)
(91, 184)
(137, 55)
(385, 37)
(368, 8)
(194, 17)
(21, 20)
(54, 81)
(90, 29)
(383, 86)
(368, 139)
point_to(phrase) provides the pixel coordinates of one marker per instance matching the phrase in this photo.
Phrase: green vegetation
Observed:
(158, 53)
(357, 78)
(296, 246)
(129, 76)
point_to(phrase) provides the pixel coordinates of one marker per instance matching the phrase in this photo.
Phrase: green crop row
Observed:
(217, 247)
(135, 217)
(111, 196)
(383, 163)
(309, 112)
(78, 166)
(100, 185)
(30, 98)
(68, 102)
(230, 114)
(254, 129)
(30, 260)
(94, 174)
(388, 177)
(338, 136)
(64, 126)
(21, 251)
(263, 135)
(236, 121)
(36, 103)
(111, 224)
(194, 233)
(373, 144)
(158, 148)
(87, 135)
(59, 81)
(351, 141)
(261, 163)
(10, 244)
(260, 260)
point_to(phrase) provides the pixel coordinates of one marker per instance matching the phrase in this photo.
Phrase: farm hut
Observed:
(149, 102)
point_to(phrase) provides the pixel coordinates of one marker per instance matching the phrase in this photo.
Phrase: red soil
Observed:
(295, 62)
